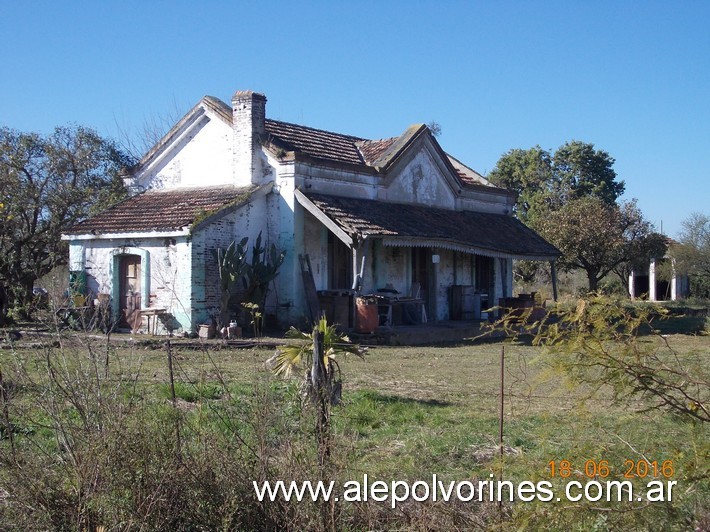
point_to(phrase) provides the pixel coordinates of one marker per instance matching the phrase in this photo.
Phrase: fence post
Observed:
(178, 446)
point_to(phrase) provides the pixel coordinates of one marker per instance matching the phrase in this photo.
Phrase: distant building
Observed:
(648, 284)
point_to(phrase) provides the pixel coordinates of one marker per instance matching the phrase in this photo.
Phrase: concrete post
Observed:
(652, 280)
(674, 281)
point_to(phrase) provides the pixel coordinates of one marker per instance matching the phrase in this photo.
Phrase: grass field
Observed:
(409, 412)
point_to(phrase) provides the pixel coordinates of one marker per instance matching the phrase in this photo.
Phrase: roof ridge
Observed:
(219, 106)
(184, 189)
(384, 139)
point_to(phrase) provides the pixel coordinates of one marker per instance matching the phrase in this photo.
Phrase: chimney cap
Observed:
(248, 95)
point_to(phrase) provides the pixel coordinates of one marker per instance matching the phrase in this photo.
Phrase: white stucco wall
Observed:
(201, 158)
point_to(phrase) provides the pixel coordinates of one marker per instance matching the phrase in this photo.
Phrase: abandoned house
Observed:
(396, 219)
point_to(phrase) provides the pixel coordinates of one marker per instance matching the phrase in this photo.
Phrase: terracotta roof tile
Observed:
(374, 149)
(340, 148)
(169, 210)
(496, 234)
(315, 142)
(465, 178)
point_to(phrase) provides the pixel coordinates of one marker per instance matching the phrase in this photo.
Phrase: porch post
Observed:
(357, 281)
(358, 269)
(553, 271)
(434, 296)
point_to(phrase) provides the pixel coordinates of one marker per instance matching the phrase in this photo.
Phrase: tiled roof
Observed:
(326, 145)
(485, 233)
(372, 150)
(466, 179)
(340, 148)
(468, 175)
(169, 210)
(315, 142)
(463, 177)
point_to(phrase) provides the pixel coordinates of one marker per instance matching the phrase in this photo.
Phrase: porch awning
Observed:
(487, 234)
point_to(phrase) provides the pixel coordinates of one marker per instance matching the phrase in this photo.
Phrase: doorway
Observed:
(340, 264)
(422, 273)
(130, 292)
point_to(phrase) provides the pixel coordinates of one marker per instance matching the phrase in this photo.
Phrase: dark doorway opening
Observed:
(340, 264)
(130, 292)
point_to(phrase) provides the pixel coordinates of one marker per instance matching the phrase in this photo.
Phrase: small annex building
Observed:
(660, 281)
(394, 215)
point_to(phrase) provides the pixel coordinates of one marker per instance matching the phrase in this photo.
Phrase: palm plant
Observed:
(323, 376)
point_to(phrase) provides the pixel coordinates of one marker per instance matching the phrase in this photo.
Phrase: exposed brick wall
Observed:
(248, 114)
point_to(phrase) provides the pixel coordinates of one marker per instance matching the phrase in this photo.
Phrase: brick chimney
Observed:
(248, 114)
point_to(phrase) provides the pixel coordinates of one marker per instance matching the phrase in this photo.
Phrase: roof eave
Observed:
(454, 245)
(231, 206)
(169, 233)
(323, 218)
(475, 187)
(217, 106)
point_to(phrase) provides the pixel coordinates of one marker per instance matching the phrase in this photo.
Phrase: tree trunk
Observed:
(321, 381)
(24, 295)
(593, 281)
(3, 304)
(321, 395)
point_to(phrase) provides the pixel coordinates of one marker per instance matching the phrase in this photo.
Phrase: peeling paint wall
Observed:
(316, 246)
(244, 222)
(164, 260)
(420, 181)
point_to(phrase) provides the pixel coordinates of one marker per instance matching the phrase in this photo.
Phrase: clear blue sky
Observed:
(631, 77)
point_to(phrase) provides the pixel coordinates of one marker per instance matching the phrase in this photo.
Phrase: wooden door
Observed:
(340, 264)
(485, 281)
(422, 273)
(130, 290)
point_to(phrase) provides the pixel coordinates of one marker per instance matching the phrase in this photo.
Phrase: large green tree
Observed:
(572, 198)
(598, 237)
(528, 173)
(545, 181)
(580, 170)
(48, 183)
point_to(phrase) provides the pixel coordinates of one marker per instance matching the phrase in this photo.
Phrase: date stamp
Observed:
(601, 469)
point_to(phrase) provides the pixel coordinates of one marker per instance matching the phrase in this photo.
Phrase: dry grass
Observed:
(414, 411)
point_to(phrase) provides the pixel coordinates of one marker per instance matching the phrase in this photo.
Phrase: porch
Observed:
(442, 332)
(419, 264)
